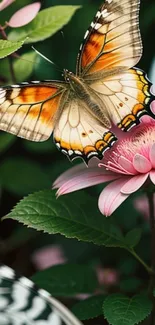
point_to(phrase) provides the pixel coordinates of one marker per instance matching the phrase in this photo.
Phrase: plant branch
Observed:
(151, 288)
(139, 259)
(4, 36)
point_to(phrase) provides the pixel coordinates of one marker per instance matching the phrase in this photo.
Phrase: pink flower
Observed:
(142, 205)
(107, 276)
(5, 3)
(24, 15)
(48, 256)
(128, 165)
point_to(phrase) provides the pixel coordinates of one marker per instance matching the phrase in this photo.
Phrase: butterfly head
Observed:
(68, 75)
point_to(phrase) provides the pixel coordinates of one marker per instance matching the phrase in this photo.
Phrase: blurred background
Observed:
(26, 167)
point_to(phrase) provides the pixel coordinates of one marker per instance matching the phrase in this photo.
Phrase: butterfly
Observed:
(23, 304)
(105, 90)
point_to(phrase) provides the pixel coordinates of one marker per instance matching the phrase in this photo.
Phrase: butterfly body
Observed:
(105, 89)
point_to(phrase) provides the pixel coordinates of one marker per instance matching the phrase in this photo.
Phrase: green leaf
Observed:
(24, 66)
(40, 147)
(130, 284)
(67, 279)
(8, 47)
(21, 176)
(133, 237)
(47, 23)
(75, 215)
(119, 309)
(128, 266)
(6, 140)
(89, 308)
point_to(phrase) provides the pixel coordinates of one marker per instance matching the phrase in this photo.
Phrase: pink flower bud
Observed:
(25, 15)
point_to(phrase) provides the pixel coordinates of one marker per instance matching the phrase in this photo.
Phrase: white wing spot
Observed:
(78, 152)
(98, 15)
(64, 151)
(109, 1)
(86, 34)
(70, 152)
(92, 24)
(105, 13)
(97, 26)
(35, 82)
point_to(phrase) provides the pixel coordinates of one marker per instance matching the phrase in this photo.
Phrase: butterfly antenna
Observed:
(64, 43)
(47, 59)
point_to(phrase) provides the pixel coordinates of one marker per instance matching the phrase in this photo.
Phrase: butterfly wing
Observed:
(79, 133)
(113, 40)
(126, 96)
(30, 110)
(22, 303)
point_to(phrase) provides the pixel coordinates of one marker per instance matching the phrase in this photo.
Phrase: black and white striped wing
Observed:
(21, 303)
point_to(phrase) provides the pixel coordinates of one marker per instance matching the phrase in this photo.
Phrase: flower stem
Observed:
(151, 288)
(4, 36)
(139, 259)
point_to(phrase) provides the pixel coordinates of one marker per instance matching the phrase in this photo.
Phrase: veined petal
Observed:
(134, 183)
(80, 170)
(111, 197)
(152, 106)
(152, 176)
(67, 175)
(83, 181)
(141, 164)
(127, 165)
(152, 155)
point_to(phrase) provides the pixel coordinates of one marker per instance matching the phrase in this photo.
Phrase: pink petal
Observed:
(48, 256)
(83, 181)
(152, 176)
(93, 162)
(141, 163)
(152, 106)
(152, 155)
(146, 119)
(141, 205)
(152, 89)
(127, 165)
(25, 15)
(5, 3)
(111, 197)
(79, 170)
(67, 175)
(134, 183)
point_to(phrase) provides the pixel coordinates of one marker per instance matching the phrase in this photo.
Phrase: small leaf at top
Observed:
(121, 310)
(133, 237)
(5, 3)
(47, 23)
(9, 47)
(24, 15)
